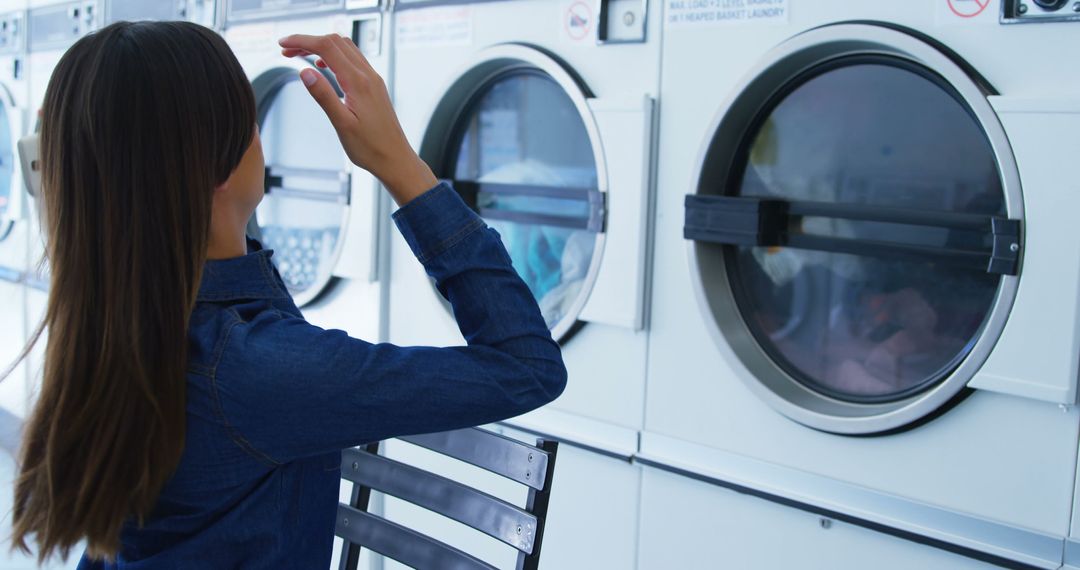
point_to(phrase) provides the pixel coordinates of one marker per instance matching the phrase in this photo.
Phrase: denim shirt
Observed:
(272, 400)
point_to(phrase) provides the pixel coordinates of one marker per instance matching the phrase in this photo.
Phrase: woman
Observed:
(189, 416)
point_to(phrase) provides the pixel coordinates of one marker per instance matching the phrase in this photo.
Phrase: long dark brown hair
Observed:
(141, 121)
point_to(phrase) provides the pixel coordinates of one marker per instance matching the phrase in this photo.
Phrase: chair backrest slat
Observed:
(402, 544)
(521, 528)
(496, 453)
(490, 515)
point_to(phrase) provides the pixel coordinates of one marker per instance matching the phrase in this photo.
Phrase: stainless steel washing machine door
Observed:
(304, 214)
(515, 138)
(856, 228)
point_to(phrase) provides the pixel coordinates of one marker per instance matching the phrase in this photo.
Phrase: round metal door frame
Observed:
(716, 160)
(266, 86)
(473, 78)
(9, 219)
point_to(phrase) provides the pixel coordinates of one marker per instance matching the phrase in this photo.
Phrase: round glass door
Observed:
(860, 231)
(7, 171)
(876, 134)
(303, 215)
(521, 156)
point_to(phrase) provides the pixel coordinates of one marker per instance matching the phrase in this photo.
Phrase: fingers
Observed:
(327, 98)
(344, 44)
(293, 52)
(350, 50)
(326, 47)
(301, 53)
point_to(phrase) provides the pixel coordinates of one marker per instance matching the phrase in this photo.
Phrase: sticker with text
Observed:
(725, 12)
(435, 27)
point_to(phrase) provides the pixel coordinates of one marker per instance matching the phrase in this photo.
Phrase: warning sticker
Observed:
(964, 11)
(577, 21)
(720, 12)
(435, 27)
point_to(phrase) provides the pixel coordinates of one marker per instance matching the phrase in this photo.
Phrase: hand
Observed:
(365, 121)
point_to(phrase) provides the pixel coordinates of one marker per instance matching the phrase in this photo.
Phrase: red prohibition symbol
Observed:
(579, 20)
(968, 8)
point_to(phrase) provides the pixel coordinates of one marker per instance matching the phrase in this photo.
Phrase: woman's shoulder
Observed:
(213, 325)
(261, 340)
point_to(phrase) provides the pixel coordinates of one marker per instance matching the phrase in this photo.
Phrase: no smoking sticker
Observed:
(968, 8)
(963, 11)
(578, 21)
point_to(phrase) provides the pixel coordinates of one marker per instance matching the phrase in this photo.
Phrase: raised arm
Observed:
(323, 391)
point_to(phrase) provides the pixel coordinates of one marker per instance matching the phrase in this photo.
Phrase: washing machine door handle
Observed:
(483, 197)
(339, 193)
(993, 243)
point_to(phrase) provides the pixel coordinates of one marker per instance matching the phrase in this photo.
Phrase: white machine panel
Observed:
(1039, 350)
(58, 26)
(618, 297)
(690, 524)
(203, 12)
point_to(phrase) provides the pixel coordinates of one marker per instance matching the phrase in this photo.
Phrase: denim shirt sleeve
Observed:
(297, 390)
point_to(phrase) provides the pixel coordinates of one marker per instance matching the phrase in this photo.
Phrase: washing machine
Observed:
(865, 293)
(322, 216)
(13, 212)
(531, 110)
(545, 137)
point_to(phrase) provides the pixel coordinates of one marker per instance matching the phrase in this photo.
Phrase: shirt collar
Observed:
(250, 276)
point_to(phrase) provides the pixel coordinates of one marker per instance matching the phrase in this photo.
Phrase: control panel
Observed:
(248, 10)
(12, 32)
(198, 11)
(622, 21)
(1031, 11)
(60, 25)
(362, 4)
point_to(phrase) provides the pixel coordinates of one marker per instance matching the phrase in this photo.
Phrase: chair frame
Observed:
(483, 448)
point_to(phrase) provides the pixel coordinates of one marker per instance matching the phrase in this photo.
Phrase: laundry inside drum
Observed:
(877, 134)
(523, 159)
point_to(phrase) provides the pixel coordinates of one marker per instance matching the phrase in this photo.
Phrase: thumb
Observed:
(326, 97)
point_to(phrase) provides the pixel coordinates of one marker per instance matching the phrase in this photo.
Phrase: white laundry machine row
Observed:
(542, 115)
(866, 284)
(322, 216)
(13, 209)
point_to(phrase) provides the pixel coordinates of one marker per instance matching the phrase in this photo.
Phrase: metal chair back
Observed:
(519, 527)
